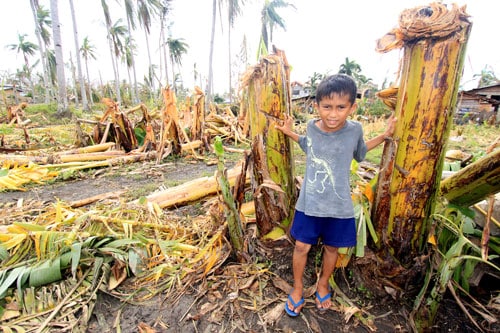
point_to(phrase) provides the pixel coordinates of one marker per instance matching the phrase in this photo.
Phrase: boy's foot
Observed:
(323, 303)
(292, 307)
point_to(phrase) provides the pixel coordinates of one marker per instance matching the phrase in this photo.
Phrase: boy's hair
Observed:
(340, 84)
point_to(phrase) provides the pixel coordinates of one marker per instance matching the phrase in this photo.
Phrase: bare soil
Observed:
(186, 314)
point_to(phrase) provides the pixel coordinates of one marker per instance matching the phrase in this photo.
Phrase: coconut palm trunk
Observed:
(41, 49)
(412, 164)
(130, 14)
(210, 79)
(62, 99)
(114, 61)
(85, 103)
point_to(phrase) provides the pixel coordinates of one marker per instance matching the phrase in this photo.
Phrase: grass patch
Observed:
(141, 191)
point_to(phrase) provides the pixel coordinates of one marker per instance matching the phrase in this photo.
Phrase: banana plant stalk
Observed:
(230, 207)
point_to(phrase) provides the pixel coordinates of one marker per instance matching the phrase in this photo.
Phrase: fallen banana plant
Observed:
(84, 251)
(14, 176)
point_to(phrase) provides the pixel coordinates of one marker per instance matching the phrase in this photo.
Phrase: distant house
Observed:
(299, 90)
(11, 94)
(478, 105)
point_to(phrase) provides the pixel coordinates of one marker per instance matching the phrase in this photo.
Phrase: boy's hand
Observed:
(287, 126)
(391, 126)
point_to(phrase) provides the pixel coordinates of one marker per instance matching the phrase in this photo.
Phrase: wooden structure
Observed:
(478, 105)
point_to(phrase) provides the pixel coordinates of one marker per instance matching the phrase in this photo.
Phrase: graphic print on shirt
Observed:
(323, 175)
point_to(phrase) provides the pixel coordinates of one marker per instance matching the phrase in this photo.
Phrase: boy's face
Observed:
(333, 111)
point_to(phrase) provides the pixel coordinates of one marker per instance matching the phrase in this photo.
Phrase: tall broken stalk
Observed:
(267, 100)
(434, 39)
(230, 208)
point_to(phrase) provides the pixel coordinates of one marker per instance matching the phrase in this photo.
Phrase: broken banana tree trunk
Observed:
(475, 182)
(198, 114)
(122, 130)
(267, 100)
(434, 41)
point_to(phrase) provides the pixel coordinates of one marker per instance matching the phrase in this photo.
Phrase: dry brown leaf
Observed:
(118, 275)
(145, 328)
(274, 314)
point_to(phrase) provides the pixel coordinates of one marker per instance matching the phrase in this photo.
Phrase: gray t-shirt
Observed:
(326, 191)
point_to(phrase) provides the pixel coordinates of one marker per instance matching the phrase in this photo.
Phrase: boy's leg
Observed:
(330, 256)
(299, 263)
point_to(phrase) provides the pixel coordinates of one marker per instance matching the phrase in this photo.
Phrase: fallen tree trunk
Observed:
(90, 155)
(95, 198)
(191, 190)
(475, 182)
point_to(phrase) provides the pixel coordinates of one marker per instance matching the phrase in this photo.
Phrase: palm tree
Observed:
(118, 33)
(210, 57)
(165, 8)
(128, 58)
(349, 67)
(233, 10)
(112, 49)
(146, 9)
(270, 19)
(177, 48)
(487, 77)
(88, 52)
(41, 19)
(85, 103)
(130, 14)
(62, 98)
(51, 64)
(27, 48)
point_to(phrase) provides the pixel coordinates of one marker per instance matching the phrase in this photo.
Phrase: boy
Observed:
(324, 208)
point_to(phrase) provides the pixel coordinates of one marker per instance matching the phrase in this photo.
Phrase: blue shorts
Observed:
(333, 231)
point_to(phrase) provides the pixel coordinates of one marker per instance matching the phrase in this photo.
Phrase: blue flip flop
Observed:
(291, 312)
(322, 299)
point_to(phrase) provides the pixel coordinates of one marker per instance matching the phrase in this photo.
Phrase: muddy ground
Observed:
(187, 314)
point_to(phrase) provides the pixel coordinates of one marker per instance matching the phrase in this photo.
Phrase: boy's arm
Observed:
(391, 125)
(287, 129)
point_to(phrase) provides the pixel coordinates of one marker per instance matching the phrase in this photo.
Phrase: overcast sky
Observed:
(319, 35)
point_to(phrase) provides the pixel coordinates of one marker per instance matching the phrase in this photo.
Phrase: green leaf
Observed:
(76, 252)
(455, 166)
(4, 254)
(30, 226)
(370, 226)
(468, 226)
(354, 166)
(140, 134)
(118, 243)
(9, 278)
(135, 260)
(143, 200)
(468, 270)
(47, 272)
(219, 149)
